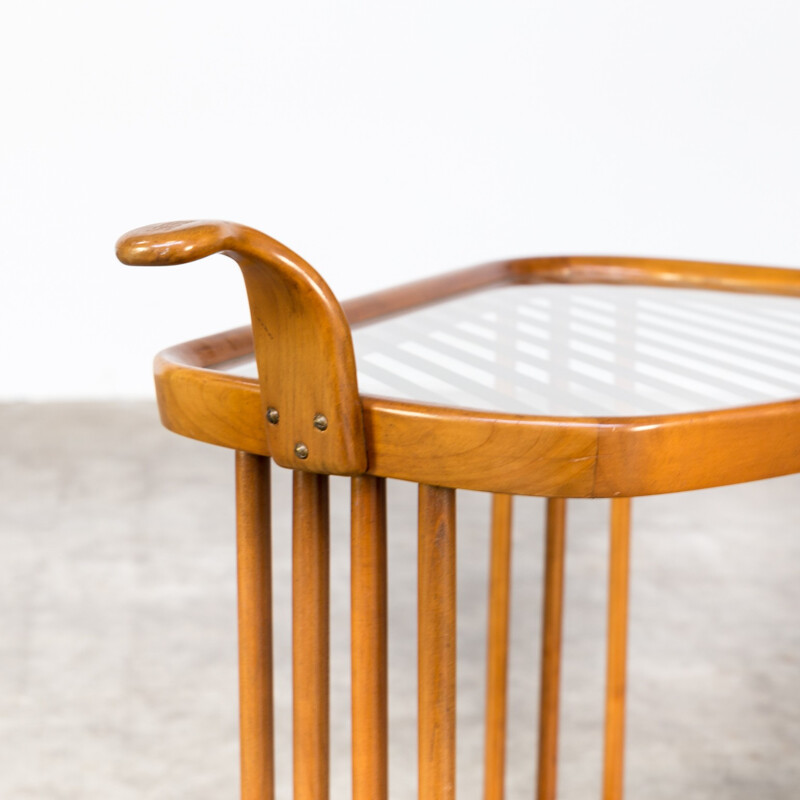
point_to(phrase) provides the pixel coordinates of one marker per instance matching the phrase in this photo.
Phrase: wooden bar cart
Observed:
(559, 377)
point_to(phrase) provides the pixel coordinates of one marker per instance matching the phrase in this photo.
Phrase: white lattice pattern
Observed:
(585, 350)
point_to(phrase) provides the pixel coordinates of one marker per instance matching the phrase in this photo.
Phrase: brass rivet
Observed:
(273, 416)
(320, 422)
(300, 450)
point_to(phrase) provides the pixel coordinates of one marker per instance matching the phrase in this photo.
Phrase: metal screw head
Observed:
(273, 416)
(300, 450)
(320, 422)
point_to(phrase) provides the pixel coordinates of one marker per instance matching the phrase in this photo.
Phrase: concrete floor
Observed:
(118, 627)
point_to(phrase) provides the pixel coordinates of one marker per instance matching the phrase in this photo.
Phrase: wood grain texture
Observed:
(301, 339)
(654, 455)
(497, 647)
(508, 454)
(503, 453)
(303, 346)
(617, 644)
(664, 272)
(552, 616)
(436, 577)
(254, 579)
(310, 635)
(206, 404)
(368, 586)
(565, 457)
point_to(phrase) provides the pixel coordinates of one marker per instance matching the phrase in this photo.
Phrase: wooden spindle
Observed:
(497, 647)
(368, 638)
(613, 775)
(253, 564)
(437, 643)
(552, 616)
(310, 635)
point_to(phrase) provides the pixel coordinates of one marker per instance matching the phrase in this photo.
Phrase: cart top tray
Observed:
(560, 376)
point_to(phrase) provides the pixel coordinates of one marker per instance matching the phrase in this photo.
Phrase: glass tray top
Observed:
(584, 350)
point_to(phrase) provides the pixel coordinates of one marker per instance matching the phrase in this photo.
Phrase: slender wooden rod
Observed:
(613, 777)
(310, 636)
(497, 647)
(253, 560)
(552, 616)
(437, 643)
(368, 638)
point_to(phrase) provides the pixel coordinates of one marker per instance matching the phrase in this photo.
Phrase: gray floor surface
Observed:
(118, 626)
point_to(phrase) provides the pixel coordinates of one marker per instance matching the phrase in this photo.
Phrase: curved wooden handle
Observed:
(175, 242)
(304, 351)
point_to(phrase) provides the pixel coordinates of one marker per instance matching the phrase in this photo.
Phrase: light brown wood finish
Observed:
(306, 367)
(551, 456)
(253, 559)
(310, 636)
(667, 272)
(411, 296)
(582, 457)
(497, 647)
(552, 616)
(368, 636)
(202, 403)
(617, 642)
(545, 456)
(557, 457)
(302, 340)
(437, 643)
(505, 454)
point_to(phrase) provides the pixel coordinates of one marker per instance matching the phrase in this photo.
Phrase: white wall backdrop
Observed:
(382, 141)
